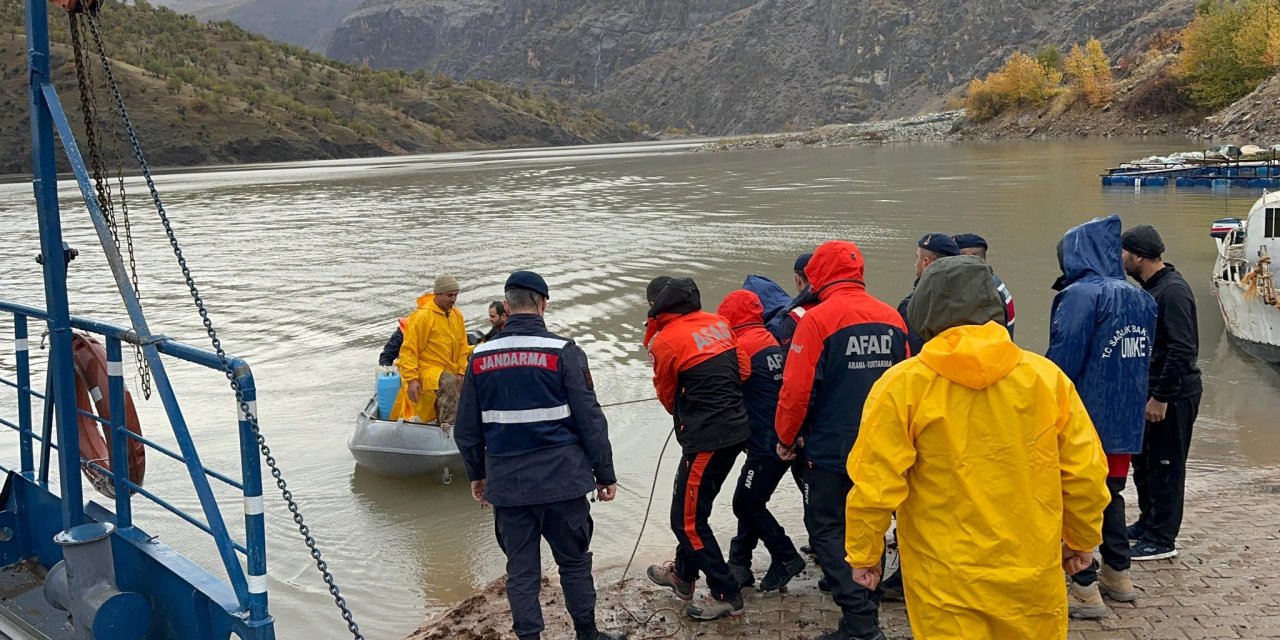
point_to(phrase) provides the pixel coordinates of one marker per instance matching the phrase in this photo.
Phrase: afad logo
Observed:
(1132, 341)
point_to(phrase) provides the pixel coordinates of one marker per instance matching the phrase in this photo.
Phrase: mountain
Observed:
(214, 93)
(734, 66)
(306, 24)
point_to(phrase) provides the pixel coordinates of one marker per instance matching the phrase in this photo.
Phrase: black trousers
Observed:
(825, 518)
(567, 527)
(698, 481)
(1115, 536)
(757, 482)
(1160, 471)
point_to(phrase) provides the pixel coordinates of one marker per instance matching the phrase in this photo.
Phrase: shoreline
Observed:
(1220, 586)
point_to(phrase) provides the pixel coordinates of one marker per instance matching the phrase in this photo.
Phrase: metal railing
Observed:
(250, 589)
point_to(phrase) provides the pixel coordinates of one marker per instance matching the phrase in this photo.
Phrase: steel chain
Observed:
(252, 419)
(101, 177)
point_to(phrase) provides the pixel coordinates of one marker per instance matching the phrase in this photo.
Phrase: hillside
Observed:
(732, 66)
(217, 94)
(306, 24)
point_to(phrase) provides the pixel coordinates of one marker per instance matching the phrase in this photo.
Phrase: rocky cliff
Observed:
(307, 24)
(731, 66)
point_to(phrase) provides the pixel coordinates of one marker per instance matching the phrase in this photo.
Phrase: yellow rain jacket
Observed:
(987, 455)
(433, 343)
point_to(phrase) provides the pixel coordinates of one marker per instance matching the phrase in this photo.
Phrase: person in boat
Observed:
(534, 442)
(1100, 333)
(497, 320)
(987, 455)
(433, 357)
(929, 249)
(972, 244)
(764, 469)
(784, 326)
(698, 371)
(391, 351)
(1160, 471)
(841, 347)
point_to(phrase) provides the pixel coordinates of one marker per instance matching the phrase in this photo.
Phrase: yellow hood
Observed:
(971, 355)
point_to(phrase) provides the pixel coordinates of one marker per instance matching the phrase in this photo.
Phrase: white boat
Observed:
(402, 448)
(1243, 278)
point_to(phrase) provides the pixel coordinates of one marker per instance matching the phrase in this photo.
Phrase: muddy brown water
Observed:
(306, 267)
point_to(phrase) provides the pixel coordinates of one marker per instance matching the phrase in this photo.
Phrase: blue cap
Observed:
(527, 280)
(970, 241)
(802, 261)
(939, 243)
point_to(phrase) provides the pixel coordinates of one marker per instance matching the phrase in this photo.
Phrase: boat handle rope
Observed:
(250, 417)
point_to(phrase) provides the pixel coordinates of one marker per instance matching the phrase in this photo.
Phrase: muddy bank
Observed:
(1220, 586)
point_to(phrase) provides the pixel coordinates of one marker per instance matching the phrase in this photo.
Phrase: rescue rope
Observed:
(653, 489)
(1261, 282)
(619, 404)
(250, 416)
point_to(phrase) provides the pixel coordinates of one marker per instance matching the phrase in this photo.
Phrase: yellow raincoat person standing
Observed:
(433, 356)
(987, 454)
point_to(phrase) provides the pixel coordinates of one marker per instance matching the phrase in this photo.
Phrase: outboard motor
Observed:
(1223, 227)
(84, 585)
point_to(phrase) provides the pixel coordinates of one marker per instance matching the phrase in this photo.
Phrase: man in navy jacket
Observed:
(534, 442)
(1101, 333)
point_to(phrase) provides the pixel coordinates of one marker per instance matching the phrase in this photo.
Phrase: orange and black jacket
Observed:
(840, 349)
(698, 369)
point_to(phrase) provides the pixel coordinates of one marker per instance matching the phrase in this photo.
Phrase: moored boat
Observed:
(1244, 280)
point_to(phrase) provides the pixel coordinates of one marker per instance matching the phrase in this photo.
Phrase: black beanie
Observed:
(1143, 241)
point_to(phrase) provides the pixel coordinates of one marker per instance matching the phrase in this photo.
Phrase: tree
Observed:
(1090, 71)
(1213, 67)
(1020, 82)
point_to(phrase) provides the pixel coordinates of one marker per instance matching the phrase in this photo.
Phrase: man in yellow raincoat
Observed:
(433, 357)
(987, 454)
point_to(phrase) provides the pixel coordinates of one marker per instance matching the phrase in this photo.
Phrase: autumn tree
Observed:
(1089, 69)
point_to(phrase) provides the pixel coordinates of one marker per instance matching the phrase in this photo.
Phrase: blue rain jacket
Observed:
(774, 298)
(1101, 332)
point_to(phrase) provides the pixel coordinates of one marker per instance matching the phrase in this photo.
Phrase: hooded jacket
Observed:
(841, 347)
(744, 312)
(773, 298)
(698, 369)
(434, 342)
(990, 461)
(784, 326)
(1101, 333)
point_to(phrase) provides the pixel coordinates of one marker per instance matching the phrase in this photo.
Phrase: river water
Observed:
(305, 268)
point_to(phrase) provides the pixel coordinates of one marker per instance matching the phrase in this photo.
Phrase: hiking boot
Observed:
(666, 576)
(808, 550)
(1117, 585)
(1085, 603)
(742, 573)
(714, 609)
(1136, 532)
(780, 573)
(823, 585)
(599, 635)
(1147, 550)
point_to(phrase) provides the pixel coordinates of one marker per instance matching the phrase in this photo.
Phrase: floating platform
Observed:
(1260, 174)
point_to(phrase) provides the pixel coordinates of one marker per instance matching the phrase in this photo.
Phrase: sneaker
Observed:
(808, 550)
(823, 585)
(666, 576)
(599, 635)
(780, 573)
(1136, 532)
(1085, 602)
(1117, 585)
(1147, 550)
(742, 573)
(713, 609)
